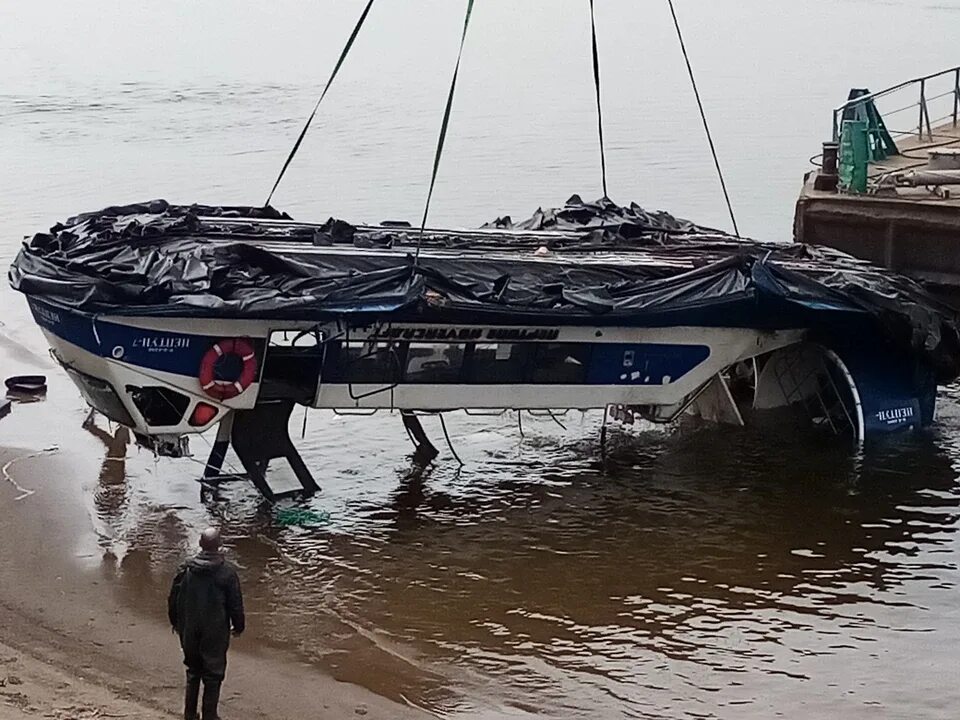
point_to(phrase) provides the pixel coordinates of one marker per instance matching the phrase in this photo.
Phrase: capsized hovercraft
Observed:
(171, 319)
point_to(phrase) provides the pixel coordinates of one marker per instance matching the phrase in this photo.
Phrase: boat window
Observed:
(499, 363)
(159, 405)
(299, 338)
(291, 366)
(369, 362)
(561, 363)
(434, 362)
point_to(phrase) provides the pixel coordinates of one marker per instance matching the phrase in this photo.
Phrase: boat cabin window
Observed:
(535, 363)
(499, 363)
(292, 365)
(560, 364)
(369, 362)
(434, 362)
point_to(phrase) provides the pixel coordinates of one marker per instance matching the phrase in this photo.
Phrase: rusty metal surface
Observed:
(911, 230)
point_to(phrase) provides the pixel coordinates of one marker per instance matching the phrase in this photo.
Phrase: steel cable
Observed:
(336, 69)
(596, 84)
(703, 117)
(443, 130)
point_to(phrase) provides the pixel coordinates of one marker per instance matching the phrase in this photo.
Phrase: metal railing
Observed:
(922, 105)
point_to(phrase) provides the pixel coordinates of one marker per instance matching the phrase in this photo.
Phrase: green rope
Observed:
(302, 517)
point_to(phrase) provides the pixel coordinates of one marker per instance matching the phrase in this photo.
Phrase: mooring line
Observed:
(703, 117)
(336, 69)
(443, 424)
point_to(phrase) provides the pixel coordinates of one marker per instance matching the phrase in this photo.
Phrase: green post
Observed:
(854, 156)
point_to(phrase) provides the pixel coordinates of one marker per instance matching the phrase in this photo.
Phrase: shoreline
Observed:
(39, 677)
(73, 644)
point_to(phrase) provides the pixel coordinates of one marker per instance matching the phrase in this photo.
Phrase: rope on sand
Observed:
(24, 492)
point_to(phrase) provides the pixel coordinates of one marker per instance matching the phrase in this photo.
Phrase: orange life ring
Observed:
(224, 389)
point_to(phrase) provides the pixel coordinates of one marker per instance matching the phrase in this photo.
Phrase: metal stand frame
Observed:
(259, 436)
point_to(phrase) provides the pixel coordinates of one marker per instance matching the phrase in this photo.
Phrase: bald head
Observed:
(210, 540)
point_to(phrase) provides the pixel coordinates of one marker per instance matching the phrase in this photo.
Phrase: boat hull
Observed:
(145, 372)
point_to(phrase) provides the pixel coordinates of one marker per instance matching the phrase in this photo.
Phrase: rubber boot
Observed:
(191, 699)
(211, 698)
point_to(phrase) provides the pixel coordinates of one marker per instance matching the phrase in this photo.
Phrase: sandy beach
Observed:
(34, 684)
(54, 673)
(67, 650)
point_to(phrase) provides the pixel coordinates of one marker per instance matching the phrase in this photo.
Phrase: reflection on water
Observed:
(696, 573)
(111, 493)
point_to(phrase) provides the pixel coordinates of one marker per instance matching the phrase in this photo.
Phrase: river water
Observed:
(695, 573)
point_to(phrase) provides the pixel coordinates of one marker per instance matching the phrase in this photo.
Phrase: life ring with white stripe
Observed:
(234, 358)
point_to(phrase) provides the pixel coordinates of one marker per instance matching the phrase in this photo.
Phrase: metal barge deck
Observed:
(911, 229)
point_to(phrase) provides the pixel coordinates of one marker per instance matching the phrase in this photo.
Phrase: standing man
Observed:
(204, 602)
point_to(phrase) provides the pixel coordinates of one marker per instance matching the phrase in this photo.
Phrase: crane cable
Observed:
(596, 84)
(443, 130)
(703, 116)
(336, 69)
(449, 105)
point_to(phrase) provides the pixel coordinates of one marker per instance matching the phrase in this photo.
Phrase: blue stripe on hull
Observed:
(74, 327)
(178, 353)
(643, 363)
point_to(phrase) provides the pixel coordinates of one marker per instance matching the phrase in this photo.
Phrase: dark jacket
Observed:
(205, 598)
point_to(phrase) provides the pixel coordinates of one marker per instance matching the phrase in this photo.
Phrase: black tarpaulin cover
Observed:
(592, 263)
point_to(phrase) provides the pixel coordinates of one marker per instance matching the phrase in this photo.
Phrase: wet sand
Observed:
(33, 687)
(59, 624)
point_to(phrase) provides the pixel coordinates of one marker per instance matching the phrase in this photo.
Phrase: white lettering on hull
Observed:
(161, 344)
(895, 415)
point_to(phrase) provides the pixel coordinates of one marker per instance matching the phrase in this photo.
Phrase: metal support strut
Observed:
(425, 451)
(259, 436)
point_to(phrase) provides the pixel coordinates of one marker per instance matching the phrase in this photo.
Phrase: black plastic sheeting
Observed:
(585, 263)
(626, 222)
